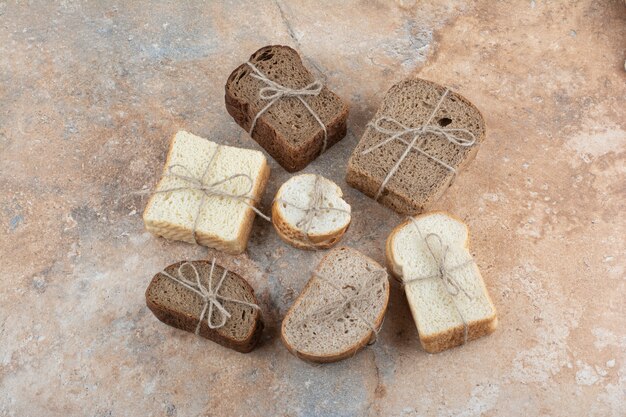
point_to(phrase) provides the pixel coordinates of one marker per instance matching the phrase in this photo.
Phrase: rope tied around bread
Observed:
(274, 92)
(439, 252)
(210, 189)
(210, 296)
(314, 208)
(336, 309)
(452, 135)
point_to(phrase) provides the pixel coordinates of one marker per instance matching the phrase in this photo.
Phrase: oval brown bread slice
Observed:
(340, 309)
(180, 307)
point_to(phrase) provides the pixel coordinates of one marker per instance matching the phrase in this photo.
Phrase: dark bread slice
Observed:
(419, 181)
(179, 307)
(329, 338)
(287, 130)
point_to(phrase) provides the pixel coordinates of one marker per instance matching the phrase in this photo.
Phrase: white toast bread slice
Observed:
(327, 226)
(315, 330)
(433, 308)
(224, 223)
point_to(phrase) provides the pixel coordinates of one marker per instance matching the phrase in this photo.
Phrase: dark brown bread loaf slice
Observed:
(180, 307)
(326, 323)
(287, 130)
(419, 181)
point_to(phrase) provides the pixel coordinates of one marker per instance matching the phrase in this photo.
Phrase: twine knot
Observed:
(457, 136)
(277, 91)
(274, 92)
(440, 253)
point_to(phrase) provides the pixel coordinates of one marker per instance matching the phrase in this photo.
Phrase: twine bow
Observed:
(337, 308)
(274, 92)
(399, 130)
(439, 252)
(314, 208)
(210, 296)
(210, 189)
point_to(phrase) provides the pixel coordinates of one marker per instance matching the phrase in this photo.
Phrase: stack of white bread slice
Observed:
(445, 291)
(207, 193)
(309, 213)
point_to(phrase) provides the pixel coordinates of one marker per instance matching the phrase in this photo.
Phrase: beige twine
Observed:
(315, 208)
(210, 189)
(212, 300)
(335, 309)
(418, 132)
(274, 92)
(450, 284)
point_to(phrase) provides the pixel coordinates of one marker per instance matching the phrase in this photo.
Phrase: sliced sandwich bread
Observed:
(207, 193)
(287, 129)
(340, 310)
(446, 293)
(454, 130)
(236, 323)
(309, 213)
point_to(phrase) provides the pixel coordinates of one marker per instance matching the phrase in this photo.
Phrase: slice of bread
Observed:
(320, 228)
(340, 309)
(419, 180)
(287, 130)
(178, 306)
(223, 222)
(434, 309)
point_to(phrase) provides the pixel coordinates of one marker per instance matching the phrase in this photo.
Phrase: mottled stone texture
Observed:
(90, 93)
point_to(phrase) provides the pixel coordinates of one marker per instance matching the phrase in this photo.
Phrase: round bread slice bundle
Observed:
(309, 213)
(340, 310)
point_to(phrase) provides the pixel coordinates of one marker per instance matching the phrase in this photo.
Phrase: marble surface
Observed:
(90, 93)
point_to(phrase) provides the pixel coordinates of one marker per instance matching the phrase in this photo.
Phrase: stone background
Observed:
(91, 92)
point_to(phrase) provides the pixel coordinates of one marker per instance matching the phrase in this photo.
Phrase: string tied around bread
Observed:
(336, 309)
(439, 252)
(396, 132)
(210, 188)
(316, 207)
(274, 92)
(210, 295)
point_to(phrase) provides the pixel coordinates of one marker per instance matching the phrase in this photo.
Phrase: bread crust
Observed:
(352, 350)
(291, 158)
(361, 179)
(175, 232)
(188, 323)
(296, 237)
(454, 336)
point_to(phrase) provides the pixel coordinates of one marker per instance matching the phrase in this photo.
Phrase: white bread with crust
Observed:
(433, 308)
(224, 223)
